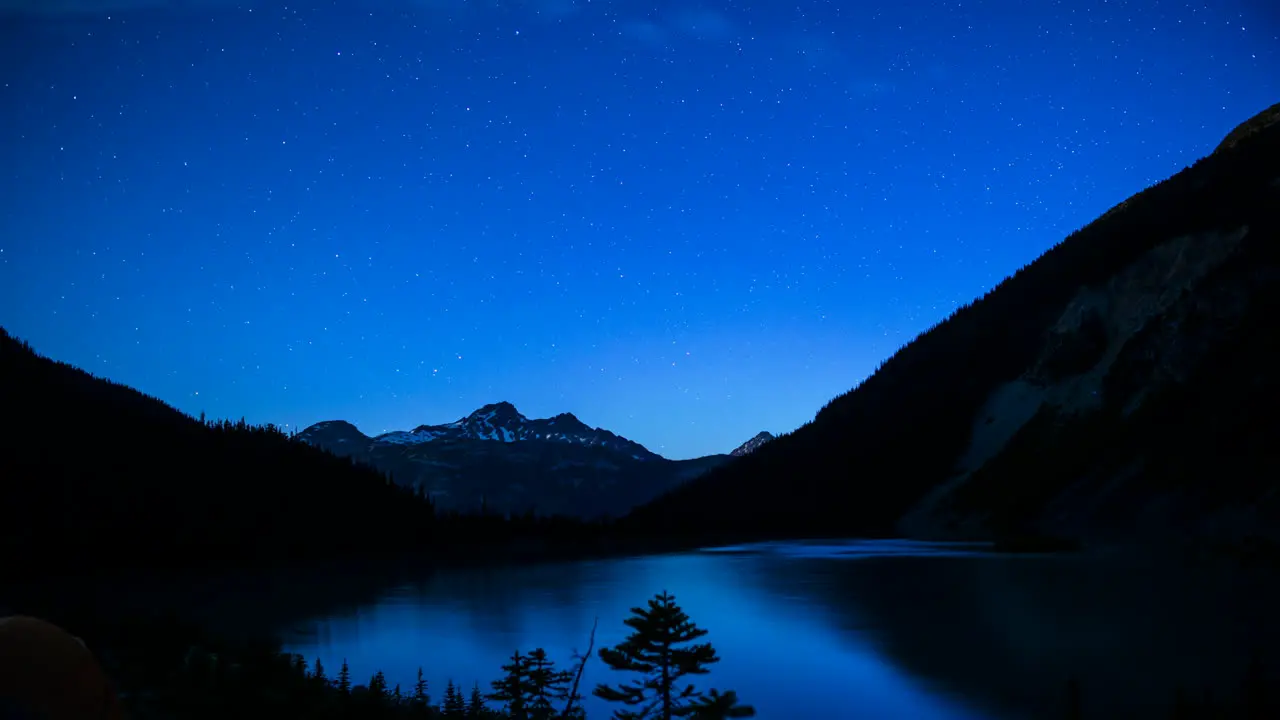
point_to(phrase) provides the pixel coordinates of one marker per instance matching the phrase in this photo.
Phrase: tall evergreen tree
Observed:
(420, 696)
(547, 686)
(661, 648)
(513, 689)
(475, 705)
(453, 706)
(318, 673)
(344, 678)
(378, 686)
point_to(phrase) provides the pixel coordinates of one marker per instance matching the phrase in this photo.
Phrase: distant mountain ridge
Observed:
(497, 458)
(498, 421)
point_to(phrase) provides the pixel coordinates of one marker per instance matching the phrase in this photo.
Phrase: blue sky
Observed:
(682, 222)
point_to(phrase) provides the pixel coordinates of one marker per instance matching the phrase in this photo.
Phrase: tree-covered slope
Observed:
(95, 471)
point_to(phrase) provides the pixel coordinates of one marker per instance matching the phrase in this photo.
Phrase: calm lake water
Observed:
(835, 630)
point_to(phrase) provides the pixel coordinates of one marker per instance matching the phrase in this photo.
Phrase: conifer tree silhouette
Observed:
(420, 696)
(453, 706)
(344, 678)
(546, 685)
(513, 689)
(475, 705)
(662, 649)
(378, 686)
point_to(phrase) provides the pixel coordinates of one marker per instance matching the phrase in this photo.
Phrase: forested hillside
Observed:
(96, 473)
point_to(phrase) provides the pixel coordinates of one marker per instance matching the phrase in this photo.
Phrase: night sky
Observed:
(683, 222)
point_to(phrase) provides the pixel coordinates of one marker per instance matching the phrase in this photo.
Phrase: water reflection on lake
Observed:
(833, 630)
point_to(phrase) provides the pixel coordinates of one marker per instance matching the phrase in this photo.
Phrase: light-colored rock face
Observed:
(753, 444)
(1077, 354)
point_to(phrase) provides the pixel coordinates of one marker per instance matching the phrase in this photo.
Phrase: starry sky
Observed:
(685, 222)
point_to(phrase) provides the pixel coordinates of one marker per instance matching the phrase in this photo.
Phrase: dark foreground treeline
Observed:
(97, 475)
(171, 669)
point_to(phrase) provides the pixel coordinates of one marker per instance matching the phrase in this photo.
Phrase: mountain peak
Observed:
(753, 444)
(334, 425)
(500, 411)
(333, 432)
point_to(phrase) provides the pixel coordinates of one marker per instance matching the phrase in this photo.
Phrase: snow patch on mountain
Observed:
(496, 422)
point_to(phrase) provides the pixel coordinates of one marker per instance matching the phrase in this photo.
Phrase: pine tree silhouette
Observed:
(453, 706)
(512, 690)
(318, 673)
(344, 678)
(547, 686)
(420, 696)
(662, 649)
(378, 686)
(475, 706)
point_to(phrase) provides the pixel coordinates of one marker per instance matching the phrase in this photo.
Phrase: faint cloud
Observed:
(559, 7)
(704, 24)
(56, 8)
(940, 73)
(870, 87)
(555, 8)
(696, 23)
(648, 32)
(94, 7)
(816, 52)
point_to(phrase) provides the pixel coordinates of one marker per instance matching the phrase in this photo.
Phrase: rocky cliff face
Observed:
(753, 444)
(1143, 337)
(1148, 411)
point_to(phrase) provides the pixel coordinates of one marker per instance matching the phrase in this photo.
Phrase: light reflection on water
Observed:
(779, 649)
(869, 629)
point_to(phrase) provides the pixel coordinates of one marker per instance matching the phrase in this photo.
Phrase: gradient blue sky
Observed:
(683, 222)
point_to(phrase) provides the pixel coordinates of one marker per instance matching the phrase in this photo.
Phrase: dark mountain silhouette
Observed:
(1121, 386)
(499, 459)
(96, 474)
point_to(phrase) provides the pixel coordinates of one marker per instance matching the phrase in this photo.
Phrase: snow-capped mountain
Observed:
(751, 445)
(503, 423)
(512, 463)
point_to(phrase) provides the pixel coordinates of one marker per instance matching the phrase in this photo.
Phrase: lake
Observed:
(868, 629)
